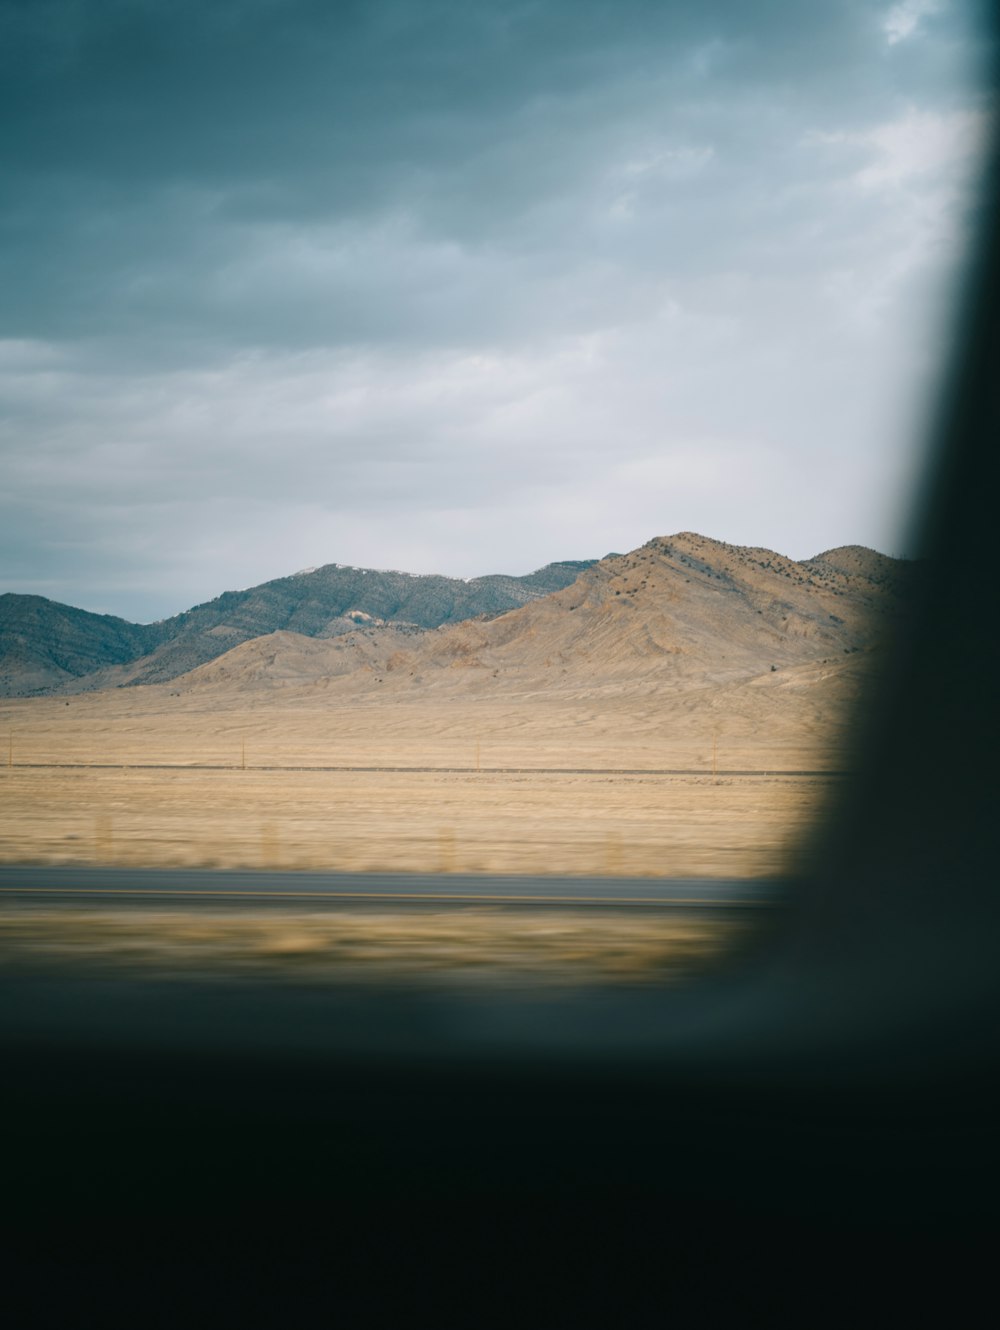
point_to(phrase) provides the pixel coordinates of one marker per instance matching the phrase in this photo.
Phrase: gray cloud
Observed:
(465, 286)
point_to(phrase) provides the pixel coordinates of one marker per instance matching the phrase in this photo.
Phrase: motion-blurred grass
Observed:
(473, 944)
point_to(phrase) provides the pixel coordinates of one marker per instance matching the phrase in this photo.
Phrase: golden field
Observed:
(149, 777)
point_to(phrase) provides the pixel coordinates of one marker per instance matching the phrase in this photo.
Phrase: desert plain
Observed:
(138, 778)
(684, 711)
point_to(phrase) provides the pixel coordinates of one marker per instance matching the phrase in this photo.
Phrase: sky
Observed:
(466, 287)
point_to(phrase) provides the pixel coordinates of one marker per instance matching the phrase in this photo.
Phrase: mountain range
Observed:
(681, 609)
(46, 647)
(680, 614)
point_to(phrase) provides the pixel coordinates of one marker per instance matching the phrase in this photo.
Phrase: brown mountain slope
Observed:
(682, 612)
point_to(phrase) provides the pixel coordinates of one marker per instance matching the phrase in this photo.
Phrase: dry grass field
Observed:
(473, 945)
(149, 777)
(152, 777)
(393, 822)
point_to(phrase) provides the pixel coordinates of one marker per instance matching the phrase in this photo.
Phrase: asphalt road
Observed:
(64, 884)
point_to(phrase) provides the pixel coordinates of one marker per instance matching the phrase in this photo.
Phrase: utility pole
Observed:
(10, 750)
(715, 765)
(477, 755)
(243, 754)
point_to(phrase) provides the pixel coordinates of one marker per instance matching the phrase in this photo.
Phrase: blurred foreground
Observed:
(628, 788)
(462, 946)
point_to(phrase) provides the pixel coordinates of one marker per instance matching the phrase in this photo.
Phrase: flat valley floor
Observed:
(148, 777)
(644, 787)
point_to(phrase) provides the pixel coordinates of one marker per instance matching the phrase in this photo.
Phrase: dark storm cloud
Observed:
(158, 153)
(288, 281)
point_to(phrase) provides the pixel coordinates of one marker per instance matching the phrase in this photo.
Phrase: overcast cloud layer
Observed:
(466, 287)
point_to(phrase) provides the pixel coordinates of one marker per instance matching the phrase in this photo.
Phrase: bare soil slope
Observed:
(724, 635)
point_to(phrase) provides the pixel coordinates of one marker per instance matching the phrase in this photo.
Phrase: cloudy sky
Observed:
(466, 286)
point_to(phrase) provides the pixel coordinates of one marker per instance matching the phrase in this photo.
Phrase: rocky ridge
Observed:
(46, 647)
(680, 612)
